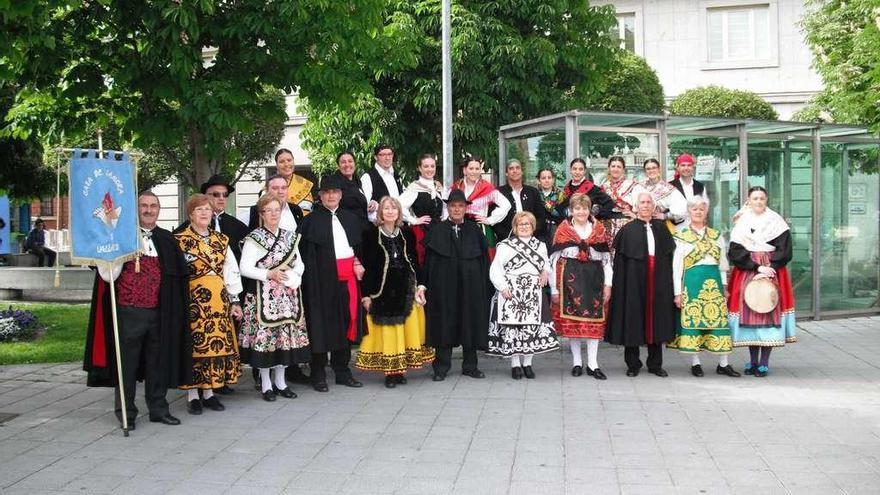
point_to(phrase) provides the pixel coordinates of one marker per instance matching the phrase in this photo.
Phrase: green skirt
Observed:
(702, 324)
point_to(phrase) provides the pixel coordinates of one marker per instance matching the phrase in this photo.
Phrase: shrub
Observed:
(17, 325)
(715, 101)
(633, 86)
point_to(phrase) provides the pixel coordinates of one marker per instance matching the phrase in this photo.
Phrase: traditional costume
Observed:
(668, 202)
(214, 284)
(623, 194)
(273, 329)
(480, 197)
(582, 269)
(456, 275)
(330, 247)
(527, 198)
(299, 193)
(154, 336)
(641, 309)
(602, 202)
(353, 198)
(552, 216)
(699, 271)
(423, 197)
(378, 182)
(760, 240)
(396, 338)
(291, 215)
(521, 326)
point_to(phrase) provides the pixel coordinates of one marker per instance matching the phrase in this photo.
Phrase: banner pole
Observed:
(58, 219)
(118, 352)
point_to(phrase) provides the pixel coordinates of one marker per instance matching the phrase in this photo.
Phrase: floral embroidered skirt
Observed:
(263, 346)
(393, 349)
(520, 340)
(702, 325)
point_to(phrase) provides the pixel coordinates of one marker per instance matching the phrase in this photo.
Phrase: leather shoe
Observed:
(269, 395)
(194, 407)
(697, 370)
(439, 377)
(213, 403)
(577, 371)
(349, 381)
(167, 419)
(400, 379)
(761, 371)
(749, 369)
(659, 372)
(474, 373)
(131, 426)
(295, 374)
(224, 390)
(596, 373)
(390, 382)
(632, 372)
(727, 370)
(320, 386)
(529, 372)
(516, 372)
(286, 392)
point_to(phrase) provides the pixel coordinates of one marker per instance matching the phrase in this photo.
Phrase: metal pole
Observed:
(448, 165)
(57, 282)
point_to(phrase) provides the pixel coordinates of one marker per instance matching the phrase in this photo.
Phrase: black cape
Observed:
(626, 315)
(233, 228)
(175, 338)
(457, 277)
(325, 298)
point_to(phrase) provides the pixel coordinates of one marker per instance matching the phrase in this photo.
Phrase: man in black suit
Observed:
(523, 198)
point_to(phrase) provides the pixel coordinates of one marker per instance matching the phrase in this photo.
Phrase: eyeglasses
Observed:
(274, 211)
(218, 194)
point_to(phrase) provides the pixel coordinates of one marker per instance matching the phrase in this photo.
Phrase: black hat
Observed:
(457, 195)
(329, 182)
(216, 180)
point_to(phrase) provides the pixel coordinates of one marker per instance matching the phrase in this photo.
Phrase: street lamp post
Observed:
(448, 166)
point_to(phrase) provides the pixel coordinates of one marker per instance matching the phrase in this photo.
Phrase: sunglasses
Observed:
(219, 194)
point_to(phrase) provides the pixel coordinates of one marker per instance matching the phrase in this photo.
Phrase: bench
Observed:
(15, 280)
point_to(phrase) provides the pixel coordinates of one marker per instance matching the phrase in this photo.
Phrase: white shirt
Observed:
(688, 189)
(650, 238)
(340, 240)
(517, 199)
(148, 249)
(387, 177)
(252, 252)
(409, 195)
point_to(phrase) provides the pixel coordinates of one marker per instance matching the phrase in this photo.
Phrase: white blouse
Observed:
(505, 253)
(683, 249)
(252, 252)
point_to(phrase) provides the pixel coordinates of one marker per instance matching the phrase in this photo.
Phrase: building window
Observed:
(739, 33)
(47, 207)
(626, 30)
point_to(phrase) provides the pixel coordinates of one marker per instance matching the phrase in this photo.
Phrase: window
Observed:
(626, 30)
(47, 207)
(739, 33)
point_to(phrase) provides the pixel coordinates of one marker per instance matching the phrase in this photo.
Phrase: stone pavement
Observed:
(812, 426)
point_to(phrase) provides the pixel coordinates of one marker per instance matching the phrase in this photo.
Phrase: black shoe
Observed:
(659, 372)
(320, 386)
(749, 369)
(224, 390)
(697, 370)
(632, 372)
(400, 379)
(577, 370)
(761, 371)
(213, 403)
(167, 419)
(516, 372)
(131, 426)
(596, 373)
(727, 370)
(294, 374)
(390, 382)
(194, 406)
(349, 381)
(474, 373)
(438, 377)
(269, 395)
(285, 392)
(529, 372)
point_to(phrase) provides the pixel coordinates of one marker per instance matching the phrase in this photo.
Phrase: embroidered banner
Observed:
(103, 207)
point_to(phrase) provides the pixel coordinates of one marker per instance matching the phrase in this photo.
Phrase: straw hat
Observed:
(761, 295)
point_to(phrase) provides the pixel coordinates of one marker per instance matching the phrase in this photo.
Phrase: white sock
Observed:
(278, 374)
(593, 353)
(575, 345)
(527, 359)
(192, 394)
(722, 361)
(207, 393)
(515, 361)
(695, 359)
(265, 380)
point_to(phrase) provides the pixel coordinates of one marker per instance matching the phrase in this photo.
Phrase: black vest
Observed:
(698, 187)
(379, 187)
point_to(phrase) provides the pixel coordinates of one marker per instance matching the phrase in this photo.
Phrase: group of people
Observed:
(409, 273)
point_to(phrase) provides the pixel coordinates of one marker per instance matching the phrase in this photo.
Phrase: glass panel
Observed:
(717, 167)
(739, 37)
(784, 168)
(597, 147)
(762, 31)
(537, 151)
(715, 34)
(629, 32)
(850, 273)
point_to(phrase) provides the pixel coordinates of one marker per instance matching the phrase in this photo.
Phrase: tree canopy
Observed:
(631, 86)
(510, 61)
(715, 101)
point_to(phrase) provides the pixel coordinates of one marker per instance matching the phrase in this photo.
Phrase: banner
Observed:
(5, 220)
(103, 207)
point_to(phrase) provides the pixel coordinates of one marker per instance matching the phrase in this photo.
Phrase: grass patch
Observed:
(63, 340)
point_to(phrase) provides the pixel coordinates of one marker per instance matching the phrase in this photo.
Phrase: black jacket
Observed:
(531, 202)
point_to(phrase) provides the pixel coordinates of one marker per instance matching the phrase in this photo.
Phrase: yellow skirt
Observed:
(393, 349)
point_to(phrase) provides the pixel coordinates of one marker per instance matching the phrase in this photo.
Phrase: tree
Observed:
(844, 37)
(191, 75)
(715, 101)
(510, 61)
(23, 175)
(631, 86)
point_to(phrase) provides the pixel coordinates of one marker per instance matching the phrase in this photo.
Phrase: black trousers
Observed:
(654, 361)
(339, 360)
(443, 360)
(139, 335)
(45, 256)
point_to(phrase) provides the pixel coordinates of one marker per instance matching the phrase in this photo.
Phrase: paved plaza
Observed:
(812, 426)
